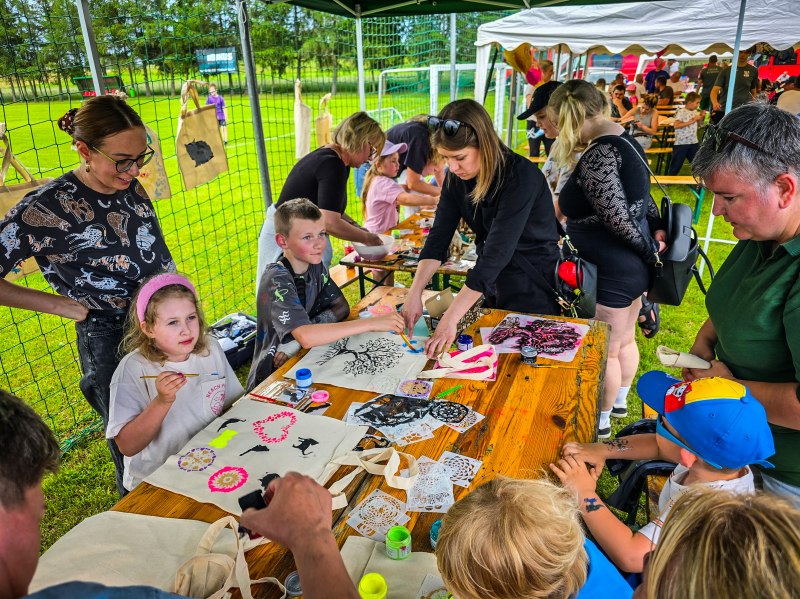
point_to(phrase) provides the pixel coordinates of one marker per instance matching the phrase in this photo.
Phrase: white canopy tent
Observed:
(687, 26)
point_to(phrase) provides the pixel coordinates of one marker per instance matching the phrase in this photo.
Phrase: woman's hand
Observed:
(372, 239)
(442, 337)
(66, 307)
(661, 237)
(717, 369)
(412, 312)
(701, 349)
(167, 385)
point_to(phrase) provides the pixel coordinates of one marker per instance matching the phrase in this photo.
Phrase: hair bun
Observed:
(65, 122)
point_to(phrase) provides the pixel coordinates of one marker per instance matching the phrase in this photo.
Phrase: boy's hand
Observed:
(390, 322)
(279, 359)
(573, 474)
(167, 385)
(591, 453)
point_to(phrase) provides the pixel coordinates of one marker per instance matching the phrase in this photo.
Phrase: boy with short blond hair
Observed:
(522, 539)
(712, 428)
(686, 144)
(298, 305)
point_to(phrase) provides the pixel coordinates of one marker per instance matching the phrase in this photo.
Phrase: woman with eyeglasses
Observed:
(505, 200)
(95, 235)
(321, 176)
(751, 163)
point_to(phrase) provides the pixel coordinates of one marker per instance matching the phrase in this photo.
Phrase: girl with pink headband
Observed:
(174, 380)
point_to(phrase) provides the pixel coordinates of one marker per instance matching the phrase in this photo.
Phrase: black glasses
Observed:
(124, 166)
(720, 138)
(449, 126)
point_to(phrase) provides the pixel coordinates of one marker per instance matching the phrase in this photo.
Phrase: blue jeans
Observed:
(679, 154)
(98, 340)
(783, 490)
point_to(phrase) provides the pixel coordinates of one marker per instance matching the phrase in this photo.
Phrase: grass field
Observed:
(212, 233)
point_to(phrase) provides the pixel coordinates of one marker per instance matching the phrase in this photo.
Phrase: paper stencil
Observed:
(376, 514)
(553, 339)
(433, 491)
(462, 469)
(470, 420)
(355, 362)
(433, 588)
(268, 439)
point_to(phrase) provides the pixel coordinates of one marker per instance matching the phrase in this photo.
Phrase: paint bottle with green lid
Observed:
(372, 586)
(398, 542)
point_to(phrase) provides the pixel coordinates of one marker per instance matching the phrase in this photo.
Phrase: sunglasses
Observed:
(449, 126)
(125, 165)
(662, 431)
(720, 137)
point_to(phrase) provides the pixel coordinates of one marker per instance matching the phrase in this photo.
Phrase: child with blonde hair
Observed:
(174, 380)
(522, 539)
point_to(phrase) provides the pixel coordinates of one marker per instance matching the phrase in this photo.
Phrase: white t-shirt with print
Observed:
(679, 86)
(641, 90)
(673, 489)
(196, 404)
(685, 135)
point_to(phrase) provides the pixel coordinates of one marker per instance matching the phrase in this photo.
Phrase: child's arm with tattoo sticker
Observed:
(635, 447)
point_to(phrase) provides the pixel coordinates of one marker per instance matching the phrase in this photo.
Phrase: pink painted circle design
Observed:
(381, 310)
(218, 401)
(197, 459)
(291, 419)
(228, 479)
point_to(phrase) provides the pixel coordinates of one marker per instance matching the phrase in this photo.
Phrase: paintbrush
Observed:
(201, 374)
(408, 343)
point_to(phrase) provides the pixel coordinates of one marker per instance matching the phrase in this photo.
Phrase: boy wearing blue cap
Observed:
(712, 428)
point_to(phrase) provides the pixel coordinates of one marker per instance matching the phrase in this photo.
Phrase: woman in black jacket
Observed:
(505, 200)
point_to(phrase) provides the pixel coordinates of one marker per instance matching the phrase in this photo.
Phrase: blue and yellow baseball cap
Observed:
(718, 419)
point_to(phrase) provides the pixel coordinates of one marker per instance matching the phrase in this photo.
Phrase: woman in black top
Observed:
(612, 221)
(95, 235)
(414, 133)
(505, 200)
(321, 176)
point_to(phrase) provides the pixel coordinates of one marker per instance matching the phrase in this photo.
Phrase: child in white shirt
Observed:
(157, 404)
(686, 144)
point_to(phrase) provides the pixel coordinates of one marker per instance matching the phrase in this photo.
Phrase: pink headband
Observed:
(154, 285)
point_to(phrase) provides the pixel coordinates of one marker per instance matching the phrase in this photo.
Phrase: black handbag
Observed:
(677, 266)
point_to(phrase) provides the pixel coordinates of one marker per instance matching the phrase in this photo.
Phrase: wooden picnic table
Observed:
(392, 262)
(529, 413)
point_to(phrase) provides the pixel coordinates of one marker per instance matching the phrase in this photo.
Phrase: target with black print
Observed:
(449, 412)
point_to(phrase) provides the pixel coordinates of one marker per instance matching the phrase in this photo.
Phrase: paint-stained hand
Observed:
(298, 511)
(573, 474)
(389, 322)
(167, 385)
(591, 453)
(279, 359)
(442, 338)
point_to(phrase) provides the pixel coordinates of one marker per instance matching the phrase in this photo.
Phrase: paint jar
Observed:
(528, 355)
(435, 533)
(395, 234)
(292, 584)
(372, 586)
(464, 342)
(349, 249)
(303, 378)
(320, 396)
(398, 542)
(365, 313)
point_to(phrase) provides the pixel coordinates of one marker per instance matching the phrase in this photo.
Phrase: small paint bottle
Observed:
(528, 355)
(398, 542)
(303, 378)
(320, 396)
(372, 586)
(395, 234)
(292, 584)
(464, 342)
(435, 533)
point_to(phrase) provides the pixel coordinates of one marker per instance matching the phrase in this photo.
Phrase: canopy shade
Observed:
(403, 8)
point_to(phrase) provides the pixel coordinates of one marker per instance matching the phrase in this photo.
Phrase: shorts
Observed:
(705, 103)
(222, 122)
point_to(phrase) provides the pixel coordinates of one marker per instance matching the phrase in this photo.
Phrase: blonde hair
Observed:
(650, 100)
(719, 544)
(292, 210)
(512, 538)
(546, 65)
(573, 103)
(135, 338)
(369, 178)
(477, 132)
(356, 131)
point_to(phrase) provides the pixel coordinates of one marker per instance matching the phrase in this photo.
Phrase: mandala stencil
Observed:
(197, 459)
(433, 588)
(415, 388)
(433, 491)
(449, 412)
(419, 433)
(384, 383)
(470, 420)
(461, 468)
(376, 514)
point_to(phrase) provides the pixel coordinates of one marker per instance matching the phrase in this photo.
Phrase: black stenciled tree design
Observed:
(378, 355)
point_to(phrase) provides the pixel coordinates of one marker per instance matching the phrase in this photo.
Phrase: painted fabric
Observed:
(92, 247)
(685, 135)
(285, 301)
(197, 403)
(250, 441)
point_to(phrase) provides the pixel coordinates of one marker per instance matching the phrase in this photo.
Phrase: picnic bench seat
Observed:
(343, 276)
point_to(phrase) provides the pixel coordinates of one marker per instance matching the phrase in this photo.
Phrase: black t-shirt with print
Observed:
(90, 246)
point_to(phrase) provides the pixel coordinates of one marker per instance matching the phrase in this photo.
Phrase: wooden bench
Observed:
(537, 159)
(343, 276)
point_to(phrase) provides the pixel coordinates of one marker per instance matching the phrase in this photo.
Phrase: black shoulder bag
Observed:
(677, 266)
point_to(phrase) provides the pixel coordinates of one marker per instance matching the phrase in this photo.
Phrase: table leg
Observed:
(361, 286)
(445, 281)
(698, 206)
(435, 282)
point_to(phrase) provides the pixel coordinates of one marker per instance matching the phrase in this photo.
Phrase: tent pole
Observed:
(728, 106)
(512, 108)
(489, 76)
(362, 99)
(453, 89)
(558, 64)
(568, 70)
(90, 42)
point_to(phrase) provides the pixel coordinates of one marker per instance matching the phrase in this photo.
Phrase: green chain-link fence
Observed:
(151, 47)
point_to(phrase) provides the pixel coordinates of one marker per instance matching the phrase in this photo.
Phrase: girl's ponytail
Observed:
(570, 105)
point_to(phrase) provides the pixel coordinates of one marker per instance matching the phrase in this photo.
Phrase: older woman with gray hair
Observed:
(751, 162)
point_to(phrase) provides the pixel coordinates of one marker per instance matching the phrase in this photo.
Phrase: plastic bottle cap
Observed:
(292, 584)
(372, 586)
(320, 396)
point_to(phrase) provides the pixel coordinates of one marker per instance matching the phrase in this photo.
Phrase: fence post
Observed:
(255, 104)
(512, 109)
(453, 85)
(362, 99)
(90, 43)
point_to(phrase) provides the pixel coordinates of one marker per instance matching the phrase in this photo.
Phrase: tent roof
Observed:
(645, 28)
(401, 8)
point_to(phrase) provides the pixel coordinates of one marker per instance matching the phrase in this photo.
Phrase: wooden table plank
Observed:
(529, 414)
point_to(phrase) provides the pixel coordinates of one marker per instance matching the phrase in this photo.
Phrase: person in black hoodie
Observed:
(506, 201)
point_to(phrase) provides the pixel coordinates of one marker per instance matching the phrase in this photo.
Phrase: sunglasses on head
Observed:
(720, 137)
(449, 126)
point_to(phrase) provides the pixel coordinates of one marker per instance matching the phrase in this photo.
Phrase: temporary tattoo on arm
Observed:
(618, 444)
(591, 504)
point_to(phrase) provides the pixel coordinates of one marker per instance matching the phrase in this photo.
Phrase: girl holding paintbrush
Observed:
(173, 381)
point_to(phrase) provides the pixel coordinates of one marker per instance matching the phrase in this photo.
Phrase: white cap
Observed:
(390, 148)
